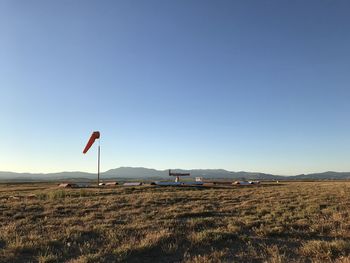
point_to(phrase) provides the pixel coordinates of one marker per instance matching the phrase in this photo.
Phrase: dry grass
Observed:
(292, 222)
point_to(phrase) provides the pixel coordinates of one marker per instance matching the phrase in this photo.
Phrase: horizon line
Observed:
(141, 167)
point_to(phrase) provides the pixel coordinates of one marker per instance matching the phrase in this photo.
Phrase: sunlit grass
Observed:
(291, 222)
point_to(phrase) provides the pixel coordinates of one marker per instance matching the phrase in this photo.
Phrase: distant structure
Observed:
(178, 175)
(74, 185)
(132, 183)
(67, 185)
(112, 183)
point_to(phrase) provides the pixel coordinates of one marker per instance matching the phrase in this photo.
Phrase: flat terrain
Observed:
(287, 222)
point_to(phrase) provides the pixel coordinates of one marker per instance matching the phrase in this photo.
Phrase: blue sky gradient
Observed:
(240, 85)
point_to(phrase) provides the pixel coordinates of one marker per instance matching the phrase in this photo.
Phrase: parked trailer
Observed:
(132, 184)
(111, 183)
(82, 185)
(74, 185)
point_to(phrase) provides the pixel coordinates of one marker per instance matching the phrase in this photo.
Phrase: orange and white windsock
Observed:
(95, 135)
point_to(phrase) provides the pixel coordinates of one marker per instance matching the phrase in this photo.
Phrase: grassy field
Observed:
(288, 222)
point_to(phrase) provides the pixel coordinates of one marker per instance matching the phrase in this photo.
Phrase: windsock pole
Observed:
(98, 163)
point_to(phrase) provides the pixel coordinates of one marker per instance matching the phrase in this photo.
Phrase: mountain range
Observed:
(153, 174)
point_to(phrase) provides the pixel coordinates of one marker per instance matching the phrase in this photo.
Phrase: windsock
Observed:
(95, 135)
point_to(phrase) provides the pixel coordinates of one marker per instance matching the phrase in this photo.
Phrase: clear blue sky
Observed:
(240, 85)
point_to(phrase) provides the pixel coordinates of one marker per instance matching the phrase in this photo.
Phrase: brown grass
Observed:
(291, 222)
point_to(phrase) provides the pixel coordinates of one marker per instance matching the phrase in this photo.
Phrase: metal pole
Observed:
(98, 164)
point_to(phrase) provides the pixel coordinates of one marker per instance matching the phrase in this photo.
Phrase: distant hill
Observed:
(45, 177)
(146, 173)
(135, 172)
(140, 172)
(224, 174)
(324, 176)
